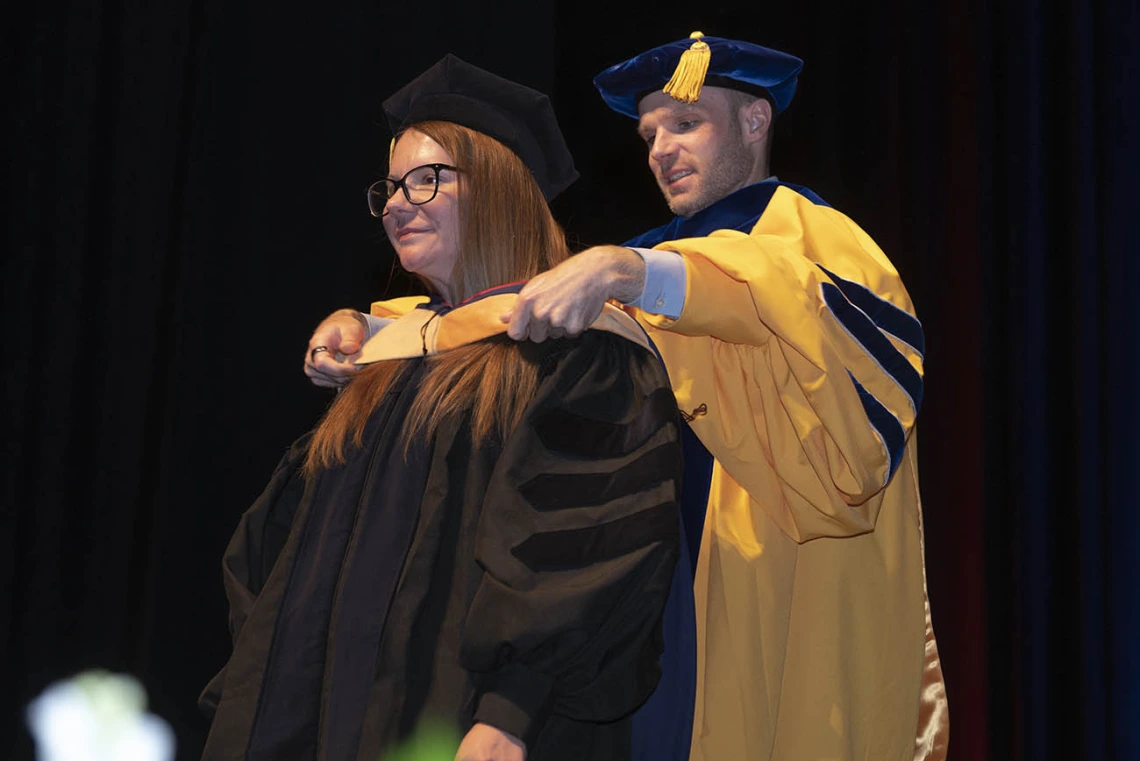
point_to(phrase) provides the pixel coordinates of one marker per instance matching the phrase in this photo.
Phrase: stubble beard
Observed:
(727, 172)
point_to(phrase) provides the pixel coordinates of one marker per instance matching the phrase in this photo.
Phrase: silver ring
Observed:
(316, 350)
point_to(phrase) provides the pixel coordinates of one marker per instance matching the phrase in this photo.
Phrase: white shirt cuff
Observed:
(664, 291)
(376, 324)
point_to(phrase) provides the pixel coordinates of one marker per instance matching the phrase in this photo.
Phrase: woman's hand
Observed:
(485, 743)
(335, 343)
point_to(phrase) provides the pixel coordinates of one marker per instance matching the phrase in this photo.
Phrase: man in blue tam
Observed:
(796, 358)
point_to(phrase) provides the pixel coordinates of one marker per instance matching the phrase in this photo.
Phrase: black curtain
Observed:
(184, 202)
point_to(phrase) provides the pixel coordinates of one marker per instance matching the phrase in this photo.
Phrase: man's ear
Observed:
(755, 118)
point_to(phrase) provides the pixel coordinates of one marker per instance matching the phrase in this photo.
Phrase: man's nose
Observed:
(663, 149)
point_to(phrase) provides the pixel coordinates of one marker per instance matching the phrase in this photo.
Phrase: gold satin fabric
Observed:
(815, 639)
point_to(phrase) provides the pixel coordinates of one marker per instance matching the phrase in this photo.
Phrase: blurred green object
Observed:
(432, 741)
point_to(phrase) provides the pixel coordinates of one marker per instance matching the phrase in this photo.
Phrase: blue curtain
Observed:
(1062, 167)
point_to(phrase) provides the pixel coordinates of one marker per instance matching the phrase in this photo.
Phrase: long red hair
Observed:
(507, 234)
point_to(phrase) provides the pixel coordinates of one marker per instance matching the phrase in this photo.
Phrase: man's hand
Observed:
(335, 343)
(485, 743)
(565, 300)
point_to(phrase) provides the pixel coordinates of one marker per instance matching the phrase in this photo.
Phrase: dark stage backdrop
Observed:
(184, 201)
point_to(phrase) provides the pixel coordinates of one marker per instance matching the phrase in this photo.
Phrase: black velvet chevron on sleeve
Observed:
(578, 539)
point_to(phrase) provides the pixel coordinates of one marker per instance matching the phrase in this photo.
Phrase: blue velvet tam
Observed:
(732, 64)
(517, 116)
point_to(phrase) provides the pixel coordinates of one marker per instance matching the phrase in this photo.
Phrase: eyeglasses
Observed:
(420, 185)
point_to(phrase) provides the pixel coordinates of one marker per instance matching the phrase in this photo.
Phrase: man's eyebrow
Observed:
(687, 110)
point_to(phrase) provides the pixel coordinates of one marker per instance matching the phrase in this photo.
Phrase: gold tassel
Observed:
(689, 77)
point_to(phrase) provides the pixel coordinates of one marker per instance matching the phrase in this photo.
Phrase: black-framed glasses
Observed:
(420, 185)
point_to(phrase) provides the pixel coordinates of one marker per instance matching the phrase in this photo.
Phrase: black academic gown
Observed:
(519, 583)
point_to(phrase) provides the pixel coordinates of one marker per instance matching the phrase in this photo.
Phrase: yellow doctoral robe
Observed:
(813, 628)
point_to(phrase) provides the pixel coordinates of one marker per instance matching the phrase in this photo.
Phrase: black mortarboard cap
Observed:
(681, 68)
(517, 116)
